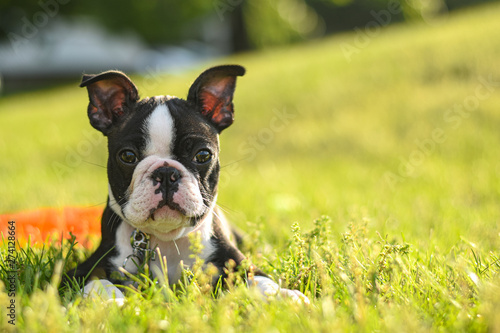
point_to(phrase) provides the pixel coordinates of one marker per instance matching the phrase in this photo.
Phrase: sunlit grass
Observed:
(409, 183)
(357, 282)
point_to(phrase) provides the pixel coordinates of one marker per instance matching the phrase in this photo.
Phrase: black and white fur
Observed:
(163, 171)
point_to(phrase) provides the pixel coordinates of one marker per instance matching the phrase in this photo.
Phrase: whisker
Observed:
(120, 201)
(234, 162)
(217, 215)
(207, 196)
(97, 204)
(226, 209)
(178, 251)
(115, 219)
(95, 164)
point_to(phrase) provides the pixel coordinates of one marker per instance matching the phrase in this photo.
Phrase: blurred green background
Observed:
(254, 24)
(382, 115)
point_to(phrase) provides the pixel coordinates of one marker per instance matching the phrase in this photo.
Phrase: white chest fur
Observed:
(173, 252)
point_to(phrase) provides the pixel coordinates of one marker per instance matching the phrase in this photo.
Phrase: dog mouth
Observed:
(164, 206)
(168, 220)
(173, 211)
(168, 224)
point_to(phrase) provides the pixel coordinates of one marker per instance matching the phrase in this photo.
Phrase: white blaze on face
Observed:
(142, 209)
(161, 131)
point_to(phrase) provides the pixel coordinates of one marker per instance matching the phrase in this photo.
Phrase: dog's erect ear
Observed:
(109, 94)
(213, 92)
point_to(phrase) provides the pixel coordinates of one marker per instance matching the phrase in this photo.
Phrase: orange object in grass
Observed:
(45, 224)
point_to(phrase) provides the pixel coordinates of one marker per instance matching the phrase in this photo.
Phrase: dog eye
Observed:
(203, 156)
(128, 156)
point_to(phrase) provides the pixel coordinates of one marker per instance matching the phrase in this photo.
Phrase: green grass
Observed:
(418, 251)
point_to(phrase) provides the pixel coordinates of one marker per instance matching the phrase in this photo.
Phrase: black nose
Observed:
(166, 175)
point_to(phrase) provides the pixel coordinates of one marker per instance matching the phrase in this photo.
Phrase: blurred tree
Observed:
(239, 32)
(342, 15)
(252, 24)
(157, 21)
(271, 22)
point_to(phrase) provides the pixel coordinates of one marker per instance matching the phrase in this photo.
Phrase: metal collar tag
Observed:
(141, 249)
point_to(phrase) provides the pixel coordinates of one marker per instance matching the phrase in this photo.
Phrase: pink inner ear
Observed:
(218, 88)
(210, 102)
(217, 94)
(110, 96)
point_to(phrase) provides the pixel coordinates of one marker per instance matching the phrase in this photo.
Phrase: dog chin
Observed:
(171, 235)
(164, 223)
(166, 214)
(165, 230)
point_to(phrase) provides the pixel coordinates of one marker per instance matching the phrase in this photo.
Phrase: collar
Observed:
(142, 253)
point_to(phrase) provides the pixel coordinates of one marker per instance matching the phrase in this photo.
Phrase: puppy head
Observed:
(163, 165)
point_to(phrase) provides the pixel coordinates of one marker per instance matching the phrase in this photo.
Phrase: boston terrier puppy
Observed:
(163, 169)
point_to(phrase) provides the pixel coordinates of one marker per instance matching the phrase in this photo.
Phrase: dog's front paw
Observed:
(104, 290)
(270, 288)
(295, 295)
